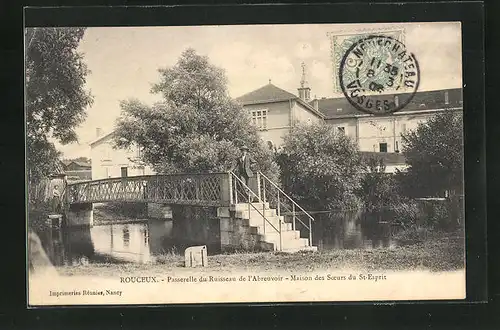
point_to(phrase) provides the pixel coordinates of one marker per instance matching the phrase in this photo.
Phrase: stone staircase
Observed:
(267, 231)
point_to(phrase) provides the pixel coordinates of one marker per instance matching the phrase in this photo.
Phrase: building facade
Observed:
(78, 170)
(108, 162)
(275, 112)
(383, 133)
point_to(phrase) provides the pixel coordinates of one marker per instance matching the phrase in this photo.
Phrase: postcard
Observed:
(244, 163)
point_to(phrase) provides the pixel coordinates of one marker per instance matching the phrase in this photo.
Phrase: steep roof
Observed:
(427, 100)
(265, 94)
(100, 138)
(80, 163)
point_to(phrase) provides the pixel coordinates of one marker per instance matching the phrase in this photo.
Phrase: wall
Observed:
(236, 233)
(276, 135)
(278, 120)
(123, 241)
(349, 124)
(197, 226)
(107, 162)
(375, 130)
(303, 115)
(80, 215)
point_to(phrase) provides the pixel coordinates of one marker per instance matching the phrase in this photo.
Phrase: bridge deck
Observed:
(185, 189)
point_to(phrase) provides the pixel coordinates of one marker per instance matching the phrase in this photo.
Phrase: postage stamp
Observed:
(379, 64)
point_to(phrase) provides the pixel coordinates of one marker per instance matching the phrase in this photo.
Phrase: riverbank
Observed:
(440, 252)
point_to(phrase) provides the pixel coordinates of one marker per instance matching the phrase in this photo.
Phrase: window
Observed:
(259, 118)
(397, 147)
(403, 128)
(446, 98)
(382, 147)
(139, 152)
(341, 129)
(124, 172)
(339, 109)
(396, 100)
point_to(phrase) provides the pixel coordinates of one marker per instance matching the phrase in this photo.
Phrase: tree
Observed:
(56, 99)
(79, 159)
(434, 154)
(196, 128)
(379, 190)
(320, 167)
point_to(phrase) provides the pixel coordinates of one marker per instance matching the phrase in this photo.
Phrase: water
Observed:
(142, 242)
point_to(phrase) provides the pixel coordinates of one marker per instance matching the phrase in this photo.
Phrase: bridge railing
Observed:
(241, 193)
(269, 192)
(211, 189)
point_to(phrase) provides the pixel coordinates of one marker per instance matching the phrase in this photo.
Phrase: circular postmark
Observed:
(378, 75)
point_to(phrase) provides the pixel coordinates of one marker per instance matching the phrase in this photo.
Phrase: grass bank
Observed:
(440, 252)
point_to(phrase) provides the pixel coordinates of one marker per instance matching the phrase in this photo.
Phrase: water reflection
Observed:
(141, 242)
(350, 230)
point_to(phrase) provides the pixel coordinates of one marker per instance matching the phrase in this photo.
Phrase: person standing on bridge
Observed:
(243, 168)
(56, 199)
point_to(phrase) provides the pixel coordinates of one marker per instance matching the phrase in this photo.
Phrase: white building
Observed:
(108, 162)
(275, 112)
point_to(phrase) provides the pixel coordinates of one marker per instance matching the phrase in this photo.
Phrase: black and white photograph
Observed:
(245, 163)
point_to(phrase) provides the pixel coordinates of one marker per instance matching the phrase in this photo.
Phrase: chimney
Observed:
(98, 132)
(316, 104)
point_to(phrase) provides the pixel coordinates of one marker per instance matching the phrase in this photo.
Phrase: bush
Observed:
(434, 155)
(407, 214)
(379, 190)
(432, 215)
(320, 167)
(411, 235)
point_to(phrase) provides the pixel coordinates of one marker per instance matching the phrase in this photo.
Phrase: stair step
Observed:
(303, 249)
(274, 221)
(289, 243)
(255, 213)
(289, 246)
(244, 206)
(285, 236)
(259, 229)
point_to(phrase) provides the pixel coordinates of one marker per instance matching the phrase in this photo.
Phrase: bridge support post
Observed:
(80, 215)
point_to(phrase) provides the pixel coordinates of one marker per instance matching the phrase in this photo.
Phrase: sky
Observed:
(124, 61)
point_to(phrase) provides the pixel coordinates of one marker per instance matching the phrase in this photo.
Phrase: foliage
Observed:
(79, 159)
(434, 153)
(407, 214)
(55, 96)
(197, 127)
(379, 190)
(321, 167)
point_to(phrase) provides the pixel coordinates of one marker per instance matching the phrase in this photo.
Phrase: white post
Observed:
(258, 185)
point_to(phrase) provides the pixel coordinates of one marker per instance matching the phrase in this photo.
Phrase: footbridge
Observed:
(261, 217)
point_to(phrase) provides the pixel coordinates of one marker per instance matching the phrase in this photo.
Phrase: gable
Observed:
(266, 94)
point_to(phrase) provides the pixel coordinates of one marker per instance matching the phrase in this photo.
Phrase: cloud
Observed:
(249, 67)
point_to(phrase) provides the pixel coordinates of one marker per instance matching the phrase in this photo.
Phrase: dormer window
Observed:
(446, 97)
(339, 109)
(396, 100)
